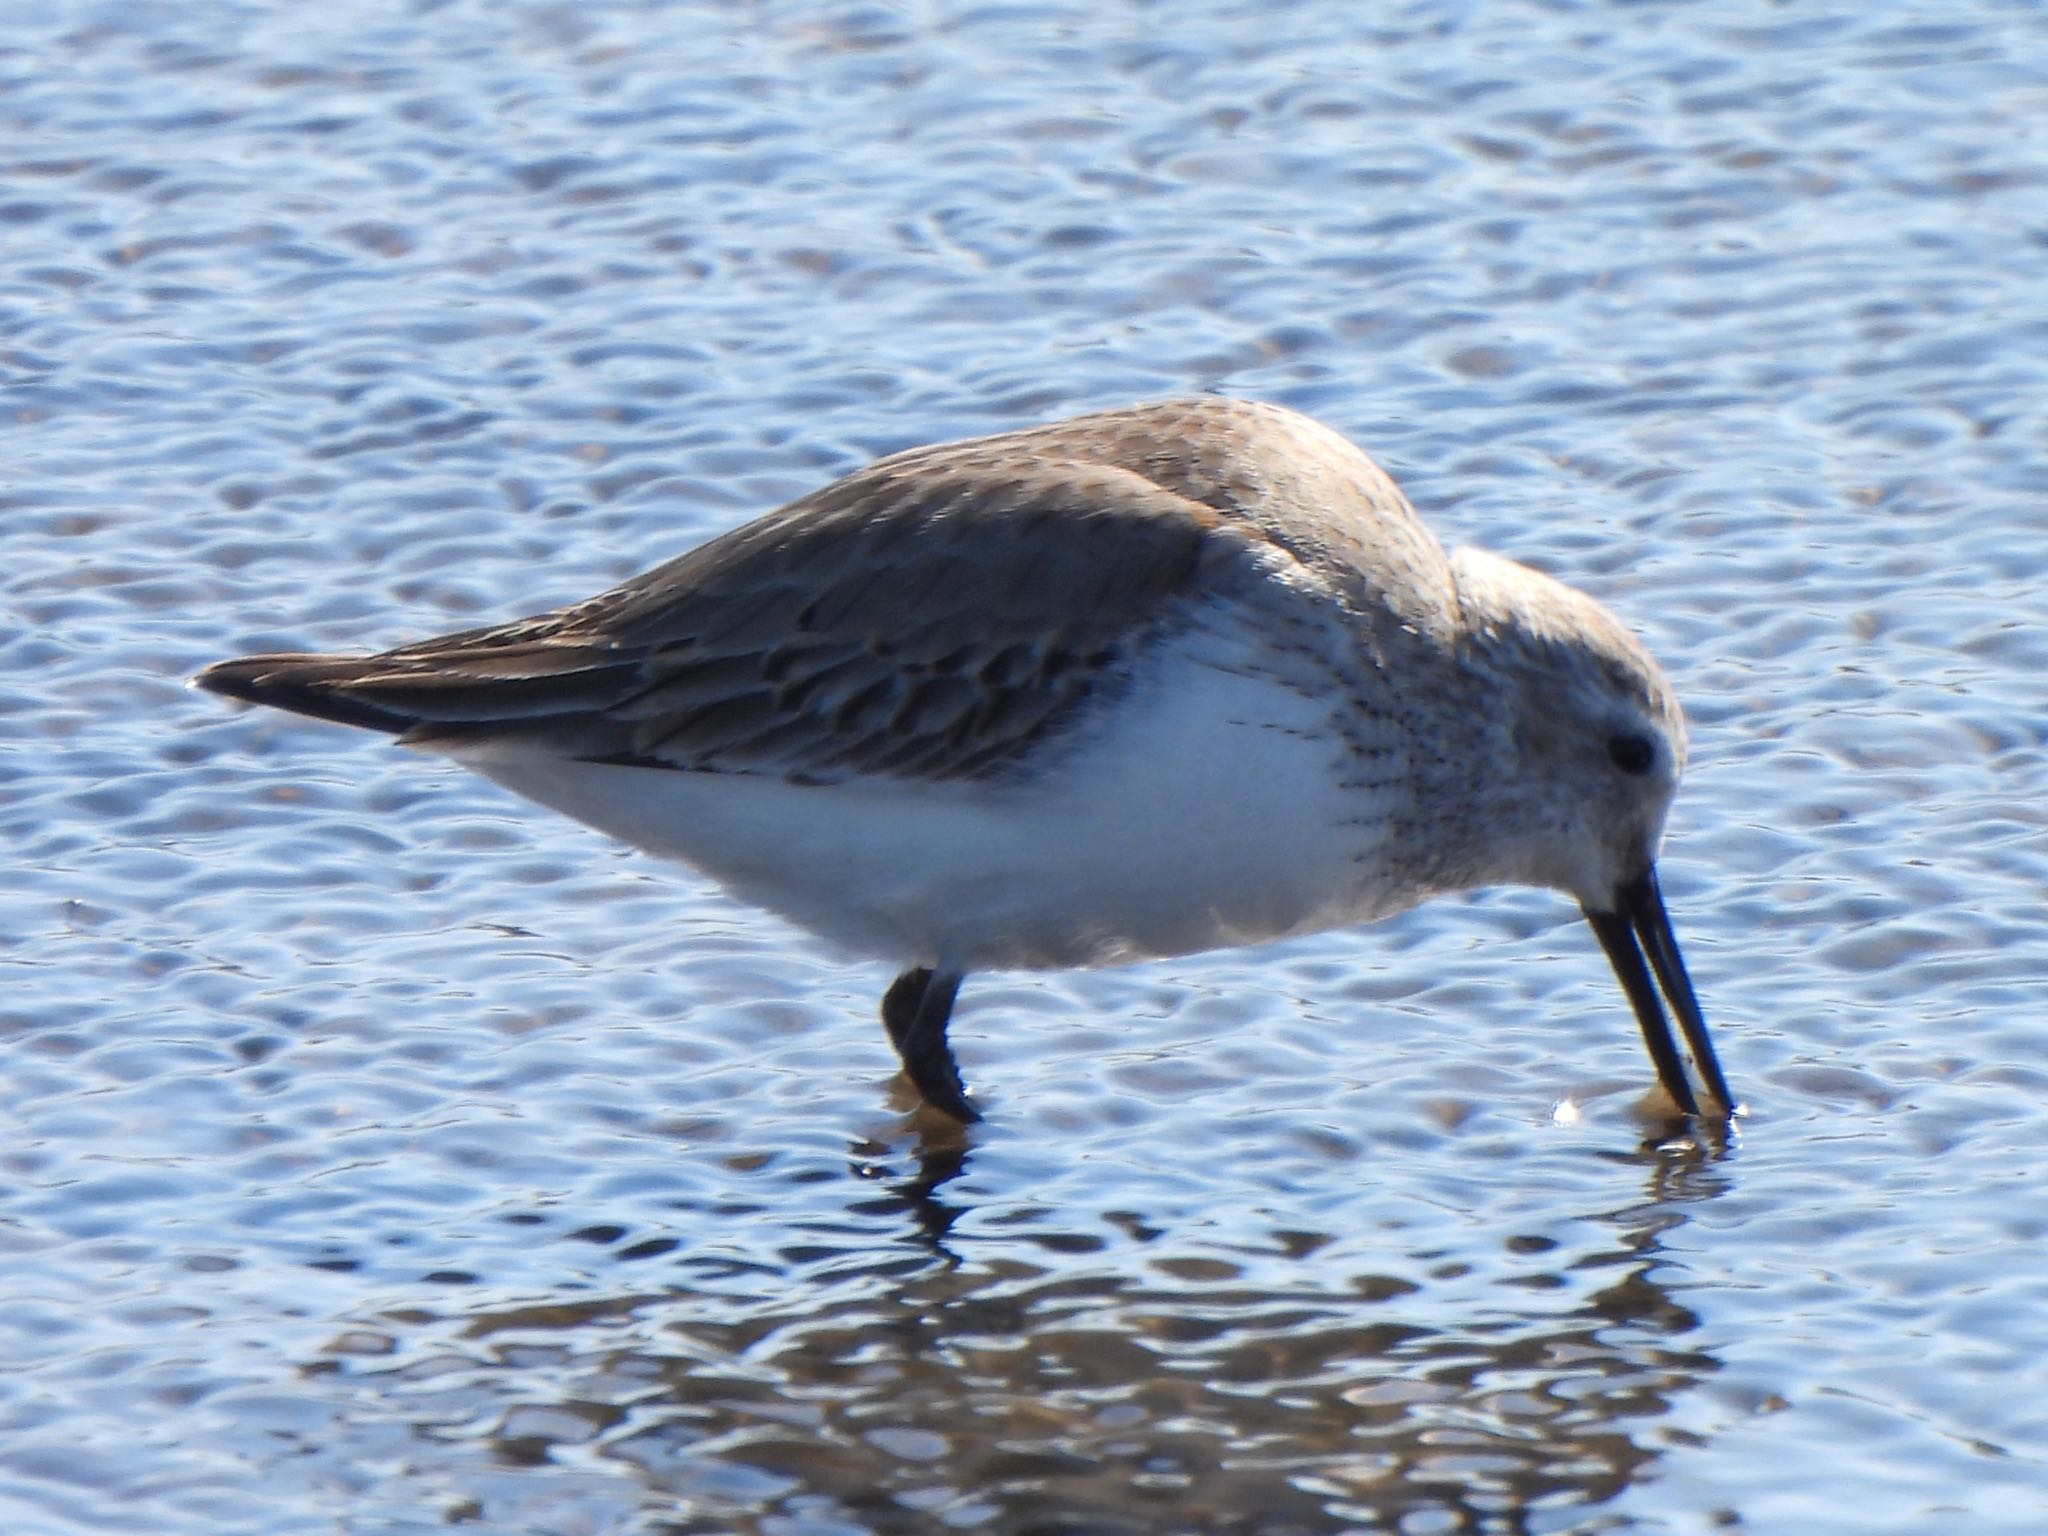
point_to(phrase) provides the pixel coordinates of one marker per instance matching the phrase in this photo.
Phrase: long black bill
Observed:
(1639, 926)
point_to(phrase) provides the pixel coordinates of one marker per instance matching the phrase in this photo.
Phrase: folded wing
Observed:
(926, 617)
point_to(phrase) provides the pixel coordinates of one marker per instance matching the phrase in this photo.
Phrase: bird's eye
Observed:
(1631, 753)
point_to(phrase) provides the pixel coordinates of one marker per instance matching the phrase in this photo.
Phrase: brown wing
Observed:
(926, 617)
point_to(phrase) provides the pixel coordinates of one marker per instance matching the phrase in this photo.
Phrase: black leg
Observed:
(900, 1003)
(915, 1011)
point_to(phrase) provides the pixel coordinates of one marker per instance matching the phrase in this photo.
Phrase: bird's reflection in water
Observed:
(937, 1154)
(1062, 1369)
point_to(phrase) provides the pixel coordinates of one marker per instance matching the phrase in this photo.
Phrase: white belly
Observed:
(1201, 809)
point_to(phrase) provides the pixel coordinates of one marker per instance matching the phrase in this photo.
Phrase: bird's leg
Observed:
(915, 1011)
(900, 1002)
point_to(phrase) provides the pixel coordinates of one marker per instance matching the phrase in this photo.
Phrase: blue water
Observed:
(383, 1155)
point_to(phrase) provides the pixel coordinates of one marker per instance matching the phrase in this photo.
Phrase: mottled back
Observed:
(929, 616)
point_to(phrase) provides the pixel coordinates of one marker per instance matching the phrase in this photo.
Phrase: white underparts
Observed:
(1207, 802)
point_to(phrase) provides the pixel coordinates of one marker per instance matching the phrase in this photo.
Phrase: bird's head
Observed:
(1587, 745)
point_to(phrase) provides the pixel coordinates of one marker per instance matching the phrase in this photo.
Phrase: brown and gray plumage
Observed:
(1140, 683)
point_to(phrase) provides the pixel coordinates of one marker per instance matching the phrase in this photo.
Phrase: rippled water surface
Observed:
(382, 1155)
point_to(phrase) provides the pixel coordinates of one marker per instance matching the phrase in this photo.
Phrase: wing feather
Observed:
(932, 615)
(923, 625)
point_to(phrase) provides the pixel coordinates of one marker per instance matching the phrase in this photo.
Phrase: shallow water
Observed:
(383, 1155)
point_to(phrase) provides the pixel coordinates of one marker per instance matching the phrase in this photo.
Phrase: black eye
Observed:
(1632, 754)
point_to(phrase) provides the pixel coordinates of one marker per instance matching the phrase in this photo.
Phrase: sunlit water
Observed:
(383, 1155)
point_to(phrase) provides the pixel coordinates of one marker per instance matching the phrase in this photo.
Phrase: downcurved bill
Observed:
(1639, 927)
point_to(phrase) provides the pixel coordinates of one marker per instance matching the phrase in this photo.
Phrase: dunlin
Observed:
(1136, 684)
